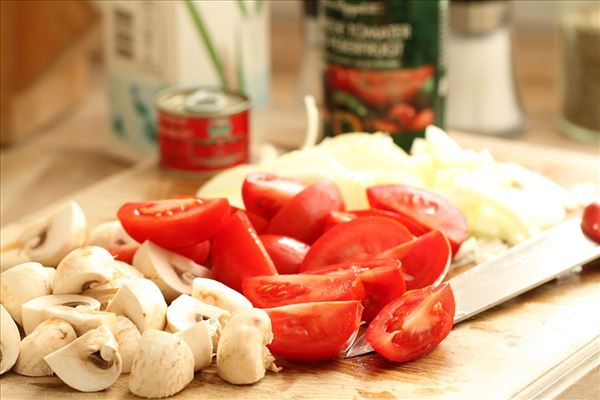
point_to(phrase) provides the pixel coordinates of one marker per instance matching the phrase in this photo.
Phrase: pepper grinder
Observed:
(482, 93)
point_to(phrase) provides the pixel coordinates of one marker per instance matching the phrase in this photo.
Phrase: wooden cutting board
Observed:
(536, 345)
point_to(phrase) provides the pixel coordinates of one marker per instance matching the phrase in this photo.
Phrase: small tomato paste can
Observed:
(202, 129)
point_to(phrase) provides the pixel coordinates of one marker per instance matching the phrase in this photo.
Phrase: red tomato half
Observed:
(425, 261)
(198, 253)
(314, 331)
(124, 252)
(265, 194)
(304, 216)
(382, 279)
(425, 208)
(590, 222)
(174, 223)
(356, 240)
(338, 217)
(238, 253)
(414, 324)
(287, 253)
(281, 290)
(410, 224)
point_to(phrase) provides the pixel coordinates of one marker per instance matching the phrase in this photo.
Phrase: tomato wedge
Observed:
(124, 252)
(198, 253)
(259, 223)
(174, 223)
(281, 290)
(338, 217)
(356, 240)
(304, 216)
(426, 209)
(314, 331)
(238, 253)
(265, 194)
(287, 253)
(590, 222)
(382, 279)
(425, 260)
(414, 324)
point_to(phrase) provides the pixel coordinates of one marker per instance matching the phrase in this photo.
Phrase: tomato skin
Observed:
(304, 216)
(259, 223)
(425, 260)
(411, 225)
(287, 253)
(359, 239)
(306, 331)
(238, 253)
(281, 290)
(414, 324)
(198, 253)
(590, 221)
(338, 217)
(425, 208)
(383, 281)
(125, 252)
(265, 194)
(191, 221)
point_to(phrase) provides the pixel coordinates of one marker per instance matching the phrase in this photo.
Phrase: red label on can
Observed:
(203, 144)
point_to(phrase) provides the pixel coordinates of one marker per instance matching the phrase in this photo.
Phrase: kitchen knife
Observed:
(519, 269)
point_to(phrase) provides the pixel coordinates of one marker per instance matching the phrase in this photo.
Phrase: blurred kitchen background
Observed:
(73, 112)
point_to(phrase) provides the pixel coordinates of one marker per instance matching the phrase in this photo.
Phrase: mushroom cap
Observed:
(109, 234)
(218, 294)
(162, 366)
(48, 240)
(32, 312)
(9, 341)
(186, 311)
(12, 257)
(198, 338)
(82, 320)
(171, 272)
(104, 292)
(141, 301)
(128, 338)
(123, 270)
(46, 338)
(90, 363)
(22, 283)
(82, 267)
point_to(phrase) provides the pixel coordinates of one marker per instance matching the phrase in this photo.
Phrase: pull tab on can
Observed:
(204, 101)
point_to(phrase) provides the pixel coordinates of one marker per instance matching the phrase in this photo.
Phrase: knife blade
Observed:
(514, 272)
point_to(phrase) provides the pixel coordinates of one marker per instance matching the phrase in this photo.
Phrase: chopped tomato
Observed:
(259, 223)
(414, 324)
(281, 290)
(304, 216)
(198, 253)
(425, 261)
(287, 253)
(338, 217)
(427, 209)
(124, 252)
(314, 331)
(174, 223)
(590, 222)
(265, 194)
(356, 240)
(382, 279)
(410, 224)
(238, 253)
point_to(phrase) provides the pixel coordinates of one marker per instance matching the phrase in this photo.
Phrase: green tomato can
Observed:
(383, 66)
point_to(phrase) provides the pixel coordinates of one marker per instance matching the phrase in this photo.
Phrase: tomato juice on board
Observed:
(383, 66)
(202, 130)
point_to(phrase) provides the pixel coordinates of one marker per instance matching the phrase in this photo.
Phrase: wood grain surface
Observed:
(532, 346)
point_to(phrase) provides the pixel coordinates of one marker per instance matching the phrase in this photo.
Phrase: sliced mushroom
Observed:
(128, 338)
(82, 320)
(90, 363)
(104, 292)
(32, 312)
(48, 240)
(46, 338)
(217, 294)
(12, 257)
(162, 366)
(242, 356)
(9, 341)
(141, 301)
(109, 234)
(172, 272)
(198, 337)
(81, 268)
(22, 283)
